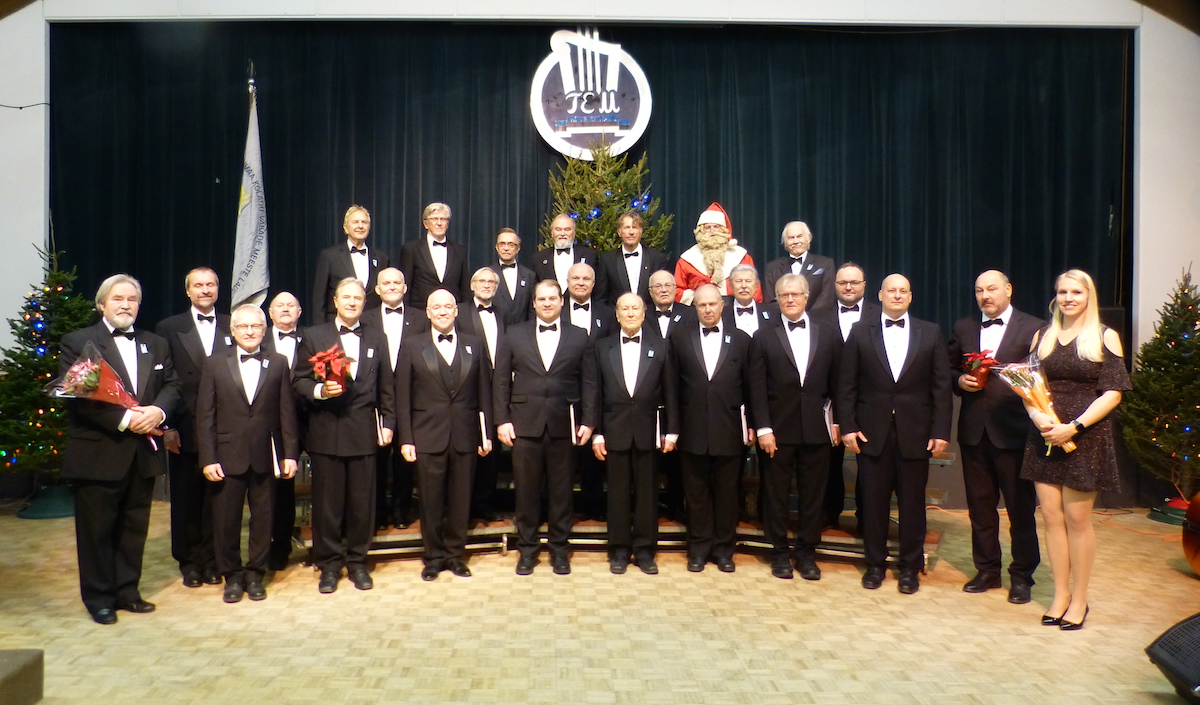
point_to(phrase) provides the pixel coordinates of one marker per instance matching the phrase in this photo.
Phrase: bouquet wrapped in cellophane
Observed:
(1027, 380)
(90, 377)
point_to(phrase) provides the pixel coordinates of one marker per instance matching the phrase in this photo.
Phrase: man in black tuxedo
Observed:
(793, 377)
(555, 262)
(397, 324)
(282, 337)
(349, 420)
(597, 319)
(628, 268)
(433, 262)
(743, 312)
(992, 428)
(247, 433)
(443, 406)
(712, 359)
(817, 269)
(194, 336)
(639, 397)
(894, 408)
(514, 295)
(484, 318)
(667, 313)
(545, 405)
(110, 460)
(349, 259)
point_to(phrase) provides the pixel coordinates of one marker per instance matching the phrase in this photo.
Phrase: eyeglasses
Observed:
(789, 295)
(245, 327)
(663, 286)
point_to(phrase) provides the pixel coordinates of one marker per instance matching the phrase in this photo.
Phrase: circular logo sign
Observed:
(588, 93)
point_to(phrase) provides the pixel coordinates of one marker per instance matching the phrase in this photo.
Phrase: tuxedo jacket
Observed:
(421, 276)
(830, 316)
(679, 314)
(537, 400)
(794, 411)
(920, 400)
(187, 353)
(602, 320)
(96, 450)
(517, 307)
(543, 267)
(345, 425)
(616, 277)
(710, 411)
(269, 344)
(820, 271)
(469, 322)
(631, 421)
(240, 434)
(996, 408)
(767, 314)
(416, 321)
(334, 265)
(438, 405)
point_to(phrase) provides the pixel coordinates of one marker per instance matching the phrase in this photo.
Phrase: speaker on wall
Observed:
(1177, 655)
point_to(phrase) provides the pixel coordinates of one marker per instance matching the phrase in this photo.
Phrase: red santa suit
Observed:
(691, 272)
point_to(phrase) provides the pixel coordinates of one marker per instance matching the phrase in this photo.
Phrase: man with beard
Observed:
(351, 258)
(555, 262)
(746, 314)
(816, 269)
(712, 258)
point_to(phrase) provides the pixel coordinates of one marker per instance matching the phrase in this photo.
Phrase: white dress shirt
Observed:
(438, 253)
(710, 345)
(362, 263)
(895, 343)
(847, 319)
(393, 328)
(509, 275)
(284, 345)
(797, 265)
(746, 322)
(547, 341)
(128, 350)
(989, 337)
(250, 368)
(631, 356)
(633, 266)
(800, 338)
(581, 318)
(487, 318)
(562, 264)
(352, 344)
(206, 329)
(447, 348)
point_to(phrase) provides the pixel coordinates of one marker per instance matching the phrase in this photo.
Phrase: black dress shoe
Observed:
(809, 570)
(726, 565)
(430, 572)
(192, 579)
(104, 616)
(256, 591)
(909, 582)
(361, 578)
(1019, 593)
(782, 568)
(873, 578)
(561, 565)
(525, 565)
(618, 564)
(647, 565)
(1075, 626)
(982, 582)
(233, 591)
(459, 569)
(329, 581)
(695, 564)
(212, 577)
(139, 606)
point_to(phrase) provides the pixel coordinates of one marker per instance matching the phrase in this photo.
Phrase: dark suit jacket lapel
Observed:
(644, 361)
(145, 364)
(190, 337)
(464, 358)
(781, 334)
(235, 374)
(262, 376)
(110, 353)
(914, 344)
(430, 355)
(875, 329)
(726, 342)
(617, 362)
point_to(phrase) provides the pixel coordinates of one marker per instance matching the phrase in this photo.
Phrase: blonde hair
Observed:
(1089, 344)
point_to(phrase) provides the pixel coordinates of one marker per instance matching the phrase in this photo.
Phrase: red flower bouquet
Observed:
(91, 377)
(977, 364)
(331, 365)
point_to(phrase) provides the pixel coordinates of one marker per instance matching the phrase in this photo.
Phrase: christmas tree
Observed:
(595, 193)
(1160, 417)
(32, 425)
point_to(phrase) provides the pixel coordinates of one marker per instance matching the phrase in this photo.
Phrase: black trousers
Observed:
(191, 514)
(632, 501)
(343, 503)
(710, 487)
(988, 474)
(879, 477)
(487, 471)
(257, 489)
(445, 503)
(591, 500)
(835, 489)
(809, 465)
(111, 523)
(538, 462)
(395, 506)
(283, 519)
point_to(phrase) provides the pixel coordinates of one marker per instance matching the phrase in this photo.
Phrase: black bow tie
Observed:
(634, 339)
(481, 308)
(251, 356)
(714, 329)
(559, 251)
(117, 333)
(848, 309)
(631, 254)
(748, 309)
(439, 243)
(508, 266)
(899, 323)
(206, 319)
(798, 259)
(356, 331)
(993, 322)
(446, 337)
(398, 309)
(585, 307)
(287, 334)
(543, 329)
(358, 250)
(662, 313)
(793, 325)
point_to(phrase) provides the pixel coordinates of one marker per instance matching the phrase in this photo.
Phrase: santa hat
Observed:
(715, 214)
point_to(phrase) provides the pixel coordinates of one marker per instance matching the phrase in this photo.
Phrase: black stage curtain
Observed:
(933, 152)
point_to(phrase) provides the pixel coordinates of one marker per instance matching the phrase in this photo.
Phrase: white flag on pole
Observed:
(251, 276)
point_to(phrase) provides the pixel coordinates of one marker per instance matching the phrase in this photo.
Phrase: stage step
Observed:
(22, 673)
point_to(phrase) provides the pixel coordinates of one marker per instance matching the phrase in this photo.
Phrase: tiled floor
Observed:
(593, 637)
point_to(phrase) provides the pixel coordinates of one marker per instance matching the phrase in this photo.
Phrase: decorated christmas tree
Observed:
(1160, 417)
(32, 425)
(595, 193)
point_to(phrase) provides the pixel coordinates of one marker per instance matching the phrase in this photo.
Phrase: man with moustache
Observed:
(282, 337)
(443, 400)
(555, 262)
(545, 404)
(514, 295)
(247, 434)
(712, 360)
(746, 314)
(194, 336)
(712, 258)
(350, 259)
(793, 377)
(894, 408)
(110, 460)
(482, 317)
(816, 269)
(397, 324)
(992, 428)
(628, 268)
(639, 399)
(348, 421)
(433, 262)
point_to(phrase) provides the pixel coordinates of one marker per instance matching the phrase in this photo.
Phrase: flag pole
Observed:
(251, 274)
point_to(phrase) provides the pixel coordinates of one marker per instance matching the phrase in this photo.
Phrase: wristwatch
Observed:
(1078, 426)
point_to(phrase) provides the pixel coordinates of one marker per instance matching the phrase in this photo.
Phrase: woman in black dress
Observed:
(1084, 369)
